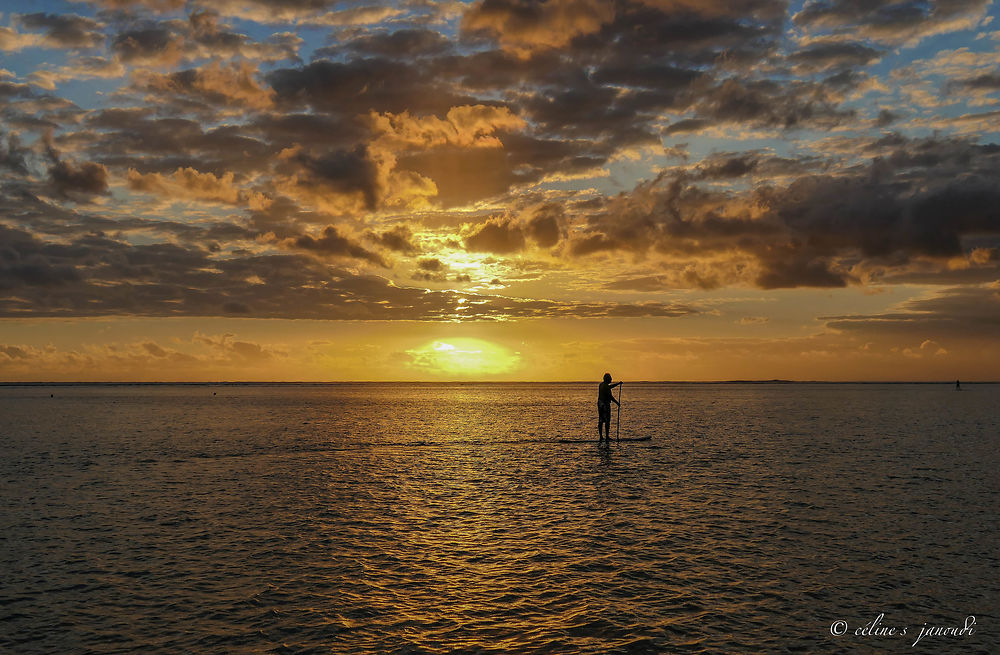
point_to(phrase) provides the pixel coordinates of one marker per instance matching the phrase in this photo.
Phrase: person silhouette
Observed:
(958, 385)
(604, 400)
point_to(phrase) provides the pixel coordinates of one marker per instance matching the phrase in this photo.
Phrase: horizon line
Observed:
(346, 382)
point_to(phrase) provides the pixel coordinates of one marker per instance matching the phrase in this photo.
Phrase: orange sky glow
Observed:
(498, 190)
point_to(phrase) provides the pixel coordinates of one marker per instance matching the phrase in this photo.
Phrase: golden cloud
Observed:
(465, 126)
(232, 85)
(525, 30)
(190, 184)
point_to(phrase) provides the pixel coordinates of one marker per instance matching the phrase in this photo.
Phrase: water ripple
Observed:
(261, 521)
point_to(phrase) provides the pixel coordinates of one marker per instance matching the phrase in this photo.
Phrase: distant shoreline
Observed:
(468, 382)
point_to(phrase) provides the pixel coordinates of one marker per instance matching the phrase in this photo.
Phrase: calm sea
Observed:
(382, 518)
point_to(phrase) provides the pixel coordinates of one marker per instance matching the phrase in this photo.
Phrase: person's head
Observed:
(607, 377)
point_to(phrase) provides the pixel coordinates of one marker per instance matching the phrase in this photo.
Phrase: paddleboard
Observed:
(594, 441)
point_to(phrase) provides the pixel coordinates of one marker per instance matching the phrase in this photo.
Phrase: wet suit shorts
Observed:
(603, 412)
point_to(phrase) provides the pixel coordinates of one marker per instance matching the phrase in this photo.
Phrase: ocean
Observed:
(449, 518)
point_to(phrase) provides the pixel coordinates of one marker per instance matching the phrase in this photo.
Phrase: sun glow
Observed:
(463, 358)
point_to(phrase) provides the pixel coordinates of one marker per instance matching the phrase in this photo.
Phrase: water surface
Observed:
(376, 518)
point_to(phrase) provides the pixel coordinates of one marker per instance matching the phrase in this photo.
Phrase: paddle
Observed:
(618, 421)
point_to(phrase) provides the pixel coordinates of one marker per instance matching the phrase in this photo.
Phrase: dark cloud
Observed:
(659, 76)
(305, 164)
(97, 276)
(644, 283)
(770, 103)
(886, 118)
(405, 43)
(9, 90)
(790, 265)
(930, 198)
(687, 125)
(581, 107)
(208, 34)
(86, 178)
(342, 172)
(65, 30)
(532, 158)
(955, 313)
(359, 86)
(318, 130)
(432, 264)
(71, 180)
(211, 88)
(546, 225)
(398, 239)
(890, 20)
(500, 236)
(151, 5)
(593, 243)
(154, 43)
(135, 138)
(835, 54)
(729, 167)
(13, 154)
(23, 262)
(332, 243)
(988, 82)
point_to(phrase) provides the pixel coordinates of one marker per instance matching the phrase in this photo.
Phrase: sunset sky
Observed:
(499, 190)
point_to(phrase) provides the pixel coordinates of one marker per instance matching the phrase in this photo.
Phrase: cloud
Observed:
(69, 179)
(433, 265)
(143, 360)
(822, 56)
(355, 16)
(93, 275)
(524, 28)
(892, 22)
(162, 6)
(208, 37)
(546, 226)
(769, 103)
(82, 68)
(398, 239)
(414, 42)
(460, 176)
(217, 85)
(334, 178)
(510, 128)
(154, 44)
(228, 346)
(360, 86)
(471, 126)
(75, 181)
(500, 236)
(919, 201)
(970, 313)
(456, 159)
(64, 30)
(13, 41)
(187, 183)
(332, 243)
(13, 156)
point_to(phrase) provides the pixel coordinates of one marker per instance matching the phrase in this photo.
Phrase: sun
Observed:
(463, 357)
